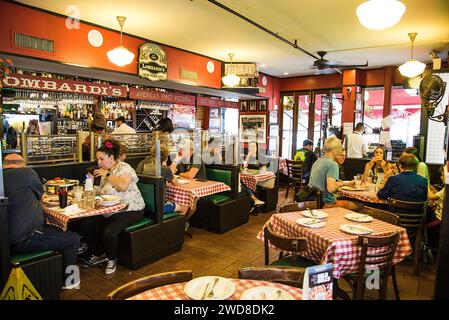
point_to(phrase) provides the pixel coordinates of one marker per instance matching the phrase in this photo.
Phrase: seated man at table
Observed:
(188, 164)
(147, 166)
(212, 155)
(306, 155)
(26, 223)
(406, 186)
(325, 176)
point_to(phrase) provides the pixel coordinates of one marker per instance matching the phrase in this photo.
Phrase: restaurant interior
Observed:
(224, 150)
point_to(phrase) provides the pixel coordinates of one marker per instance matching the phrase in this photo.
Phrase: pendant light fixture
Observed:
(231, 79)
(380, 14)
(120, 55)
(412, 67)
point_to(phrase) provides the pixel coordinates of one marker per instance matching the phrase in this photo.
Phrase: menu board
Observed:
(317, 284)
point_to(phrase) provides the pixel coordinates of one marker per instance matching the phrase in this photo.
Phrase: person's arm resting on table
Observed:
(189, 174)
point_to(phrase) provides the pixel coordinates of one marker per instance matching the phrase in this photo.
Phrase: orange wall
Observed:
(327, 81)
(72, 46)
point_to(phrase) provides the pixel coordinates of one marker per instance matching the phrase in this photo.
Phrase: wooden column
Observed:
(388, 89)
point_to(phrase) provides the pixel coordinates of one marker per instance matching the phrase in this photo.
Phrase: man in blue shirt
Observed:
(406, 186)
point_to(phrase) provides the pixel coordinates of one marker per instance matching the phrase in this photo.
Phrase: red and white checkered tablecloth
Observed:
(176, 291)
(365, 196)
(251, 179)
(331, 245)
(56, 216)
(185, 194)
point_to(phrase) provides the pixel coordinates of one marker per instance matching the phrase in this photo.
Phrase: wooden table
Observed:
(252, 177)
(331, 245)
(176, 291)
(57, 217)
(185, 194)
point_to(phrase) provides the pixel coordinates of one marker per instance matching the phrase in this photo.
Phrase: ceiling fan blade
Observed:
(346, 66)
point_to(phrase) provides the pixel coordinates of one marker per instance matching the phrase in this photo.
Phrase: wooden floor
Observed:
(222, 255)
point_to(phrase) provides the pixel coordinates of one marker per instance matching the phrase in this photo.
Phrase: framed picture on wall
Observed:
(244, 105)
(263, 105)
(253, 128)
(253, 105)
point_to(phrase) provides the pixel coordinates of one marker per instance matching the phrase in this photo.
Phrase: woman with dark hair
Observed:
(377, 167)
(422, 169)
(102, 232)
(166, 125)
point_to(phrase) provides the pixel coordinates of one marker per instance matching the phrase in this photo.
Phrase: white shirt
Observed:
(357, 146)
(124, 128)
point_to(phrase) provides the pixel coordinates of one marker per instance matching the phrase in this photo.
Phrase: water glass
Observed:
(78, 194)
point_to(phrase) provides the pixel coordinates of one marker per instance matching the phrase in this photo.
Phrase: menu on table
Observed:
(317, 284)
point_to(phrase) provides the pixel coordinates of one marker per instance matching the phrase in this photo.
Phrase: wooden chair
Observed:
(391, 218)
(285, 275)
(285, 244)
(413, 217)
(368, 261)
(298, 206)
(295, 175)
(146, 283)
(381, 215)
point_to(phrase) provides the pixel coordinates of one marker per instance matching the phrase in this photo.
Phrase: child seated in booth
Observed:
(148, 166)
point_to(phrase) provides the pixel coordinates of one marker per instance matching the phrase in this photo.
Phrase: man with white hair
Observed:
(188, 163)
(325, 175)
(27, 230)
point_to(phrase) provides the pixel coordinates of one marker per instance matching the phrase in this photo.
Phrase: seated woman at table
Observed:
(325, 176)
(102, 232)
(212, 155)
(377, 167)
(147, 166)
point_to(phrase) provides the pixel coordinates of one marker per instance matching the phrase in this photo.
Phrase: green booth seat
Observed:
(169, 216)
(22, 258)
(145, 221)
(218, 198)
(224, 176)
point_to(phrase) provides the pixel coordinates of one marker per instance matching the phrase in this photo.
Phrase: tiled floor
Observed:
(222, 255)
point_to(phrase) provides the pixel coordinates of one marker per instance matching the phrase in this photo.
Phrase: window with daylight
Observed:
(287, 126)
(406, 115)
(317, 134)
(337, 100)
(303, 119)
(373, 106)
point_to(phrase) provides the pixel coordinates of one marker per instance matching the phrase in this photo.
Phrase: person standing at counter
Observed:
(122, 127)
(357, 146)
(26, 224)
(102, 232)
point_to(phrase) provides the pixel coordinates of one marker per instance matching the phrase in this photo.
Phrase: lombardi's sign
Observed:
(152, 62)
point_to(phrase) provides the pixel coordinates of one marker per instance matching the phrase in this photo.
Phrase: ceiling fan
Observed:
(322, 63)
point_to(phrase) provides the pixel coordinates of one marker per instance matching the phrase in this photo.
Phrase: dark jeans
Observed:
(101, 233)
(51, 238)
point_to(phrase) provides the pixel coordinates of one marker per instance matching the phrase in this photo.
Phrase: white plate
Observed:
(358, 217)
(311, 223)
(223, 289)
(183, 181)
(317, 214)
(266, 293)
(348, 188)
(109, 200)
(355, 229)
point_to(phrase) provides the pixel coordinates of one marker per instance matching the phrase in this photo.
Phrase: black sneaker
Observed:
(83, 247)
(94, 260)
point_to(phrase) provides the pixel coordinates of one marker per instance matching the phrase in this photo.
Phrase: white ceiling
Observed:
(329, 25)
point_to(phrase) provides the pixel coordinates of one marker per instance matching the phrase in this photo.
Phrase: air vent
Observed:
(30, 42)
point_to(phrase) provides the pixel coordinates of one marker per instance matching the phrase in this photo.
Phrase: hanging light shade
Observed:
(120, 55)
(231, 79)
(380, 14)
(412, 67)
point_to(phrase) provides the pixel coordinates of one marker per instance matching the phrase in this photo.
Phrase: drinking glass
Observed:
(78, 194)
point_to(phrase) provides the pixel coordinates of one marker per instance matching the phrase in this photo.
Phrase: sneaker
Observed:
(110, 266)
(94, 260)
(75, 285)
(259, 202)
(252, 209)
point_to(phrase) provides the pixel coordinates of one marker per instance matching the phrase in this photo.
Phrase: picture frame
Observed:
(253, 105)
(263, 105)
(244, 106)
(253, 127)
